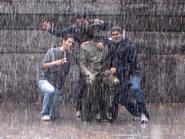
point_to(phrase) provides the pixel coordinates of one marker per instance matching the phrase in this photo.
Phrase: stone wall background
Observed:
(156, 27)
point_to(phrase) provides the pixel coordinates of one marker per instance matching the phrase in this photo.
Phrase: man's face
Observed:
(80, 22)
(69, 43)
(116, 36)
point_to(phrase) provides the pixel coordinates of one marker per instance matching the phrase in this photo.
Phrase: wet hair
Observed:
(68, 36)
(79, 15)
(65, 38)
(116, 28)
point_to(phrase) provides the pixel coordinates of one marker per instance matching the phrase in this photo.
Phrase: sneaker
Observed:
(78, 114)
(98, 116)
(109, 116)
(45, 118)
(144, 119)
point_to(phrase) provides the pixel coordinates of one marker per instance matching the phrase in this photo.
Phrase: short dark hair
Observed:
(79, 15)
(68, 36)
(65, 38)
(116, 28)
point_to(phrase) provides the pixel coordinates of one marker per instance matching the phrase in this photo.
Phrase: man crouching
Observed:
(55, 68)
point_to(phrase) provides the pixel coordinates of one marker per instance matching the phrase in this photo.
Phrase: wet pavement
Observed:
(23, 122)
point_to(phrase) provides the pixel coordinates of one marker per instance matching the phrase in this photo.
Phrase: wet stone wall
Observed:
(155, 26)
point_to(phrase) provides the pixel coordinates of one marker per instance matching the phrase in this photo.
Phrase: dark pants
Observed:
(79, 93)
(132, 88)
(95, 91)
(88, 91)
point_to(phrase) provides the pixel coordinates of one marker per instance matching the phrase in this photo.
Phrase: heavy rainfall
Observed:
(92, 69)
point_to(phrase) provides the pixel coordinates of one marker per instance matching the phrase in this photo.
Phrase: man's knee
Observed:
(45, 87)
(135, 87)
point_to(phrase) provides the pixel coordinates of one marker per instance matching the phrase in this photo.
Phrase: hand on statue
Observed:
(113, 69)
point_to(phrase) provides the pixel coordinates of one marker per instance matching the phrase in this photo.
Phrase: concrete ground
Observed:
(23, 122)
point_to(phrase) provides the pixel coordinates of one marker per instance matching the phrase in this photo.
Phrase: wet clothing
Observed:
(57, 73)
(51, 98)
(137, 106)
(124, 58)
(81, 34)
(92, 62)
(52, 80)
(92, 59)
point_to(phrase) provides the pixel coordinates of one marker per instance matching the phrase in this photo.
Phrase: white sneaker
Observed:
(78, 114)
(45, 118)
(144, 119)
(98, 116)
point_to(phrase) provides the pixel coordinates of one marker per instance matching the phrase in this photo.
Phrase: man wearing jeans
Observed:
(124, 65)
(55, 68)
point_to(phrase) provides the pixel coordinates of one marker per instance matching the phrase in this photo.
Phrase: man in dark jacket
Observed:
(124, 65)
(82, 29)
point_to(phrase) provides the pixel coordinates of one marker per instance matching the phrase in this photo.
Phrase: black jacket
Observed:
(123, 56)
(81, 34)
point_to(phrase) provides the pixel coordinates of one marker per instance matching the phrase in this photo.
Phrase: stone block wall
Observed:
(155, 26)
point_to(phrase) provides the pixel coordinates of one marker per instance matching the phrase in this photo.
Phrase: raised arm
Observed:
(97, 24)
(48, 26)
(63, 32)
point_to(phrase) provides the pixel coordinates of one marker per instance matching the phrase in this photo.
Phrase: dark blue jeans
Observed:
(133, 86)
